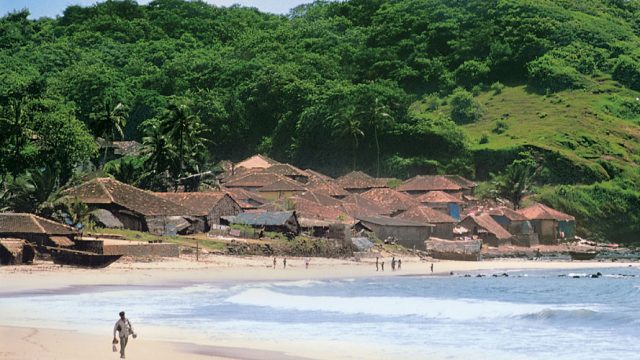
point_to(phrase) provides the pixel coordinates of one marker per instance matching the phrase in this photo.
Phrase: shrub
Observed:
(470, 73)
(497, 87)
(464, 108)
(500, 127)
(484, 139)
(627, 71)
(548, 72)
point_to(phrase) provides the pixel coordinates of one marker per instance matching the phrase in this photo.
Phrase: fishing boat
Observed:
(583, 255)
(82, 258)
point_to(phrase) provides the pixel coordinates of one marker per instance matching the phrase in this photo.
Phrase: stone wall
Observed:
(162, 250)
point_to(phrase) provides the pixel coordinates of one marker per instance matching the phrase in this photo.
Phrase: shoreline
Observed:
(38, 340)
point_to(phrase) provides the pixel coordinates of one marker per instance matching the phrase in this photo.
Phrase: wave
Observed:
(454, 309)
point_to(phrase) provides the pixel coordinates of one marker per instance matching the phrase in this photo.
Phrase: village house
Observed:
(256, 162)
(396, 201)
(517, 224)
(288, 171)
(410, 234)
(313, 216)
(468, 186)
(551, 225)
(357, 206)
(252, 181)
(441, 201)
(209, 206)
(318, 175)
(357, 182)
(327, 187)
(320, 198)
(423, 184)
(118, 149)
(16, 252)
(134, 208)
(276, 221)
(248, 200)
(486, 228)
(38, 231)
(283, 188)
(443, 224)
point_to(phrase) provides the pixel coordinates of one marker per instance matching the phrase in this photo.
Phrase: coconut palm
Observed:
(113, 124)
(346, 125)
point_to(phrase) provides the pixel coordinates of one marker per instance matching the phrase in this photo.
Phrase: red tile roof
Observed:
(253, 180)
(318, 175)
(111, 191)
(243, 196)
(357, 180)
(438, 197)
(309, 210)
(31, 224)
(319, 197)
(429, 183)
(390, 198)
(464, 182)
(423, 213)
(356, 205)
(283, 184)
(508, 213)
(486, 222)
(542, 212)
(285, 170)
(327, 187)
(200, 203)
(256, 161)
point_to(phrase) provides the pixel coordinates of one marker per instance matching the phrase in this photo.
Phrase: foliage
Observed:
(549, 72)
(464, 108)
(516, 179)
(627, 71)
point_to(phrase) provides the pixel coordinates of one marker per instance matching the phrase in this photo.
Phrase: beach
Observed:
(37, 340)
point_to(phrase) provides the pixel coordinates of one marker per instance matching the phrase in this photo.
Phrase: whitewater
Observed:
(526, 315)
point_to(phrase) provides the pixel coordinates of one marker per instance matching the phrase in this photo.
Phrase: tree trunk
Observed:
(375, 132)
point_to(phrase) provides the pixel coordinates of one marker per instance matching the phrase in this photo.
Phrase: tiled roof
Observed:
(327, 187)
(426, 214)
(508, 213)
(312, 210)
(318, 175)
(358, 180)
(110, 191)
(389, 221)
(14, 246)
(356, 205)
(241, 195)
(486, 222)
(319, 197)
(390, 198)
(542, 212)
(429, 183)
(200, 203)
(464, 182)
(31, 224)
(285, 170)
(283, 184)
(253, 180)
(256, 161)
(269, 218)
(438, 197)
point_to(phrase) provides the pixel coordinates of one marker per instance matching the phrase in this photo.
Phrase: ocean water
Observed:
(527, 315)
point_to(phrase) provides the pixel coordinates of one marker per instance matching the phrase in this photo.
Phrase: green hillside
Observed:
(394, 88)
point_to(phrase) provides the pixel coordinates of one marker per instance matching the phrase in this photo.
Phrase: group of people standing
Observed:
(395, 264)
(307, 260)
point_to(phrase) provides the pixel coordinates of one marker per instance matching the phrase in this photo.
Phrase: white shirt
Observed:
(125, 328)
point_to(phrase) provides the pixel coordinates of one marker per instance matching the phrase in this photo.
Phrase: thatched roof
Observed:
(429, 183)
(542, 212)
(199, 203)
(110, 191)
(426, 214)
(32, 224)
(357, 180)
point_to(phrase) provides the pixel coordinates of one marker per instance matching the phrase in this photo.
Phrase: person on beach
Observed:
(284, 263)
(431, 267)
(382, 265)
(306, 262)
(274, 263)
(124, 329)
(393, 264)
(399, 264)
(377, 263)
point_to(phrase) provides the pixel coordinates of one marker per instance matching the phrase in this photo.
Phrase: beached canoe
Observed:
(82, 258)
(583, 255)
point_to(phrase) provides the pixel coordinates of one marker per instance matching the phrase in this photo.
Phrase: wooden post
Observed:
(197, 250)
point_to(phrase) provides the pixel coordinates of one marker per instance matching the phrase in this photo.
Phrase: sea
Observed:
(587, 314)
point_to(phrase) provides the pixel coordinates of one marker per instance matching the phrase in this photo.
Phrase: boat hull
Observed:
(583, 255)
(82, 258)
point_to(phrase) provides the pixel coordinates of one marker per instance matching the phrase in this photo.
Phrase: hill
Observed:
(391, 87)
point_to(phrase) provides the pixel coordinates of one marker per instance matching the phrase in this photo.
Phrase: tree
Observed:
(158, 155)
(13, 120)
(113, 123)
(515, 181)
(464, 108)
(345, 124)
(379, 116)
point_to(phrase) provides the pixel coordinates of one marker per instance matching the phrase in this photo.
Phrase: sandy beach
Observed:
(41, 342)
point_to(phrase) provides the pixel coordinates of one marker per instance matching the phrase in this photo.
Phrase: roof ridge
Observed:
(37, 223)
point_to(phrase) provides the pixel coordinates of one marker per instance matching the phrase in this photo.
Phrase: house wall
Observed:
(129, 220)
(407, 236)
(546, 230)
(224, 207)
(443, 231)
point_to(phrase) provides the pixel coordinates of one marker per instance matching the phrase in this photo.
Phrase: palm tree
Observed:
(379, 116)
(159, 155)
(346, 125)
(113, 123)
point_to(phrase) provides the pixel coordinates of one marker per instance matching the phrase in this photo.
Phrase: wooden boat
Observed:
(82, 258)
(583, 255)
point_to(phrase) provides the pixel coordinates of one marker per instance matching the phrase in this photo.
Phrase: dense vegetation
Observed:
(391, 87)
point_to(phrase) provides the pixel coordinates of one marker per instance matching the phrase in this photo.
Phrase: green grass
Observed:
(186, 241)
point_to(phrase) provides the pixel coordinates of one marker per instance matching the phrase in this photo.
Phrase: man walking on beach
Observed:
(284, 263)
(431, 267)
(124, 329)
(393, 264)
(377, 259)
(274, 263)
(399, 264)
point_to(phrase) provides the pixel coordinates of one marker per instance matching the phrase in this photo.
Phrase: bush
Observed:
(484, 139)
(548, 72)
(500, 127)
(464, 108)
(627, 71)
(470, 73)
(497, 87)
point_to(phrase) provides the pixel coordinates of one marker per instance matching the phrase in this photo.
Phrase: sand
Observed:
(41, 343)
